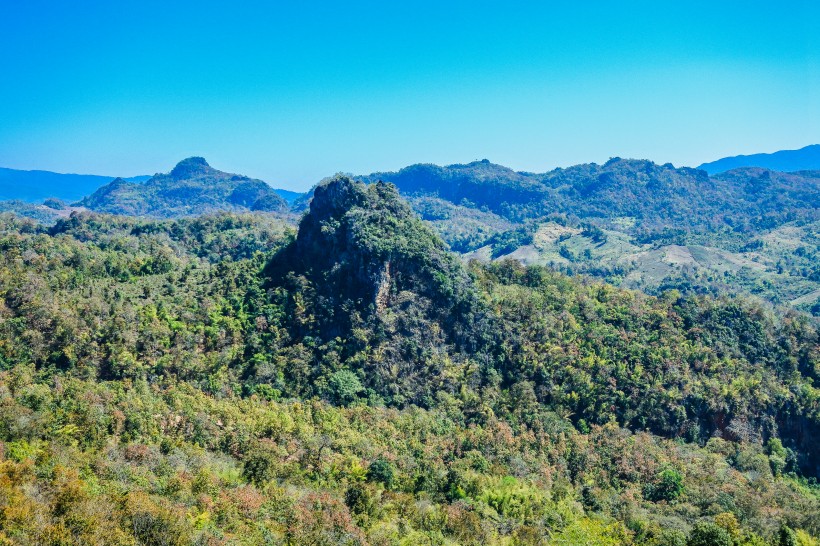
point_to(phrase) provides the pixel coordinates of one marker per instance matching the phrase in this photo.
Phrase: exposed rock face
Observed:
(383, 291)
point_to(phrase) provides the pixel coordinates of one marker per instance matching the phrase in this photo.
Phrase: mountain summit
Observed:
(192, 187)
(191, 168)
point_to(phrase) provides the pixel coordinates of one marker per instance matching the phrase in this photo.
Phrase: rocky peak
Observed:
(363, 244)
(334, 198)
(190, 168)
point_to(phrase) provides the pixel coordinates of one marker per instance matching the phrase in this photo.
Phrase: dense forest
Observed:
(228, 379)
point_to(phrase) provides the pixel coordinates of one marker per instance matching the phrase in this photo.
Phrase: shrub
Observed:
(670, 537)
(786, 536)
(258, 467)
(360, 500)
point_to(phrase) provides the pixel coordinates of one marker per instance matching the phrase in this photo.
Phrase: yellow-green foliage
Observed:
(172, 471)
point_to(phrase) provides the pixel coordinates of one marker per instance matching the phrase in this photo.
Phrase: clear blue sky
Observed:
(294, 91)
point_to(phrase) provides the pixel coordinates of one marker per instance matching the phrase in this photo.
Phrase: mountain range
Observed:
(633, 223)
(804, 159)
(35, 186)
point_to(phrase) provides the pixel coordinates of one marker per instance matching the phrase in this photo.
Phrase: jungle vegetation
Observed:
(228, 379)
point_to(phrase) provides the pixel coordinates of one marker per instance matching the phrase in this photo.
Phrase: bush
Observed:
(360, 500)
(786, 537)
(155, 525)
(54, 203)
(258, 467)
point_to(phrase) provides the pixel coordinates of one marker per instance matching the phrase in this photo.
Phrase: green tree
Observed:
(345, 386)
(668, 486)
(381, 471)
(786, 536)
(709, 534)
(670, 537)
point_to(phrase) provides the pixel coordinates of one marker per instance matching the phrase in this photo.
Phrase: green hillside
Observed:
(655, 196)
(635, 224)
(228, 380)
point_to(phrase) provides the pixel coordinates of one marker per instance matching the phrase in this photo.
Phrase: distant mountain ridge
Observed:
(35, 186)
(653, 196)
(633, 223)
(804, 159)
(193, 187)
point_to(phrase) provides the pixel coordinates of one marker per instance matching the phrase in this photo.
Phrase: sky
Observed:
(293, 91)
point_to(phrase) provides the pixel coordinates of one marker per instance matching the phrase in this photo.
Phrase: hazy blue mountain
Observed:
(193, 187)
(289, 196)
(804, 159)
(35, 186)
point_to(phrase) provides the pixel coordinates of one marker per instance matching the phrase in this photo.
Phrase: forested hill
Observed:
(653, 196)
(370, 287)
(193, 187)
(375, 287)
(224, 380)
(634, 223)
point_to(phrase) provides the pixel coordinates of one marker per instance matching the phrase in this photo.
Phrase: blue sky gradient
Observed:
(293, 91)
